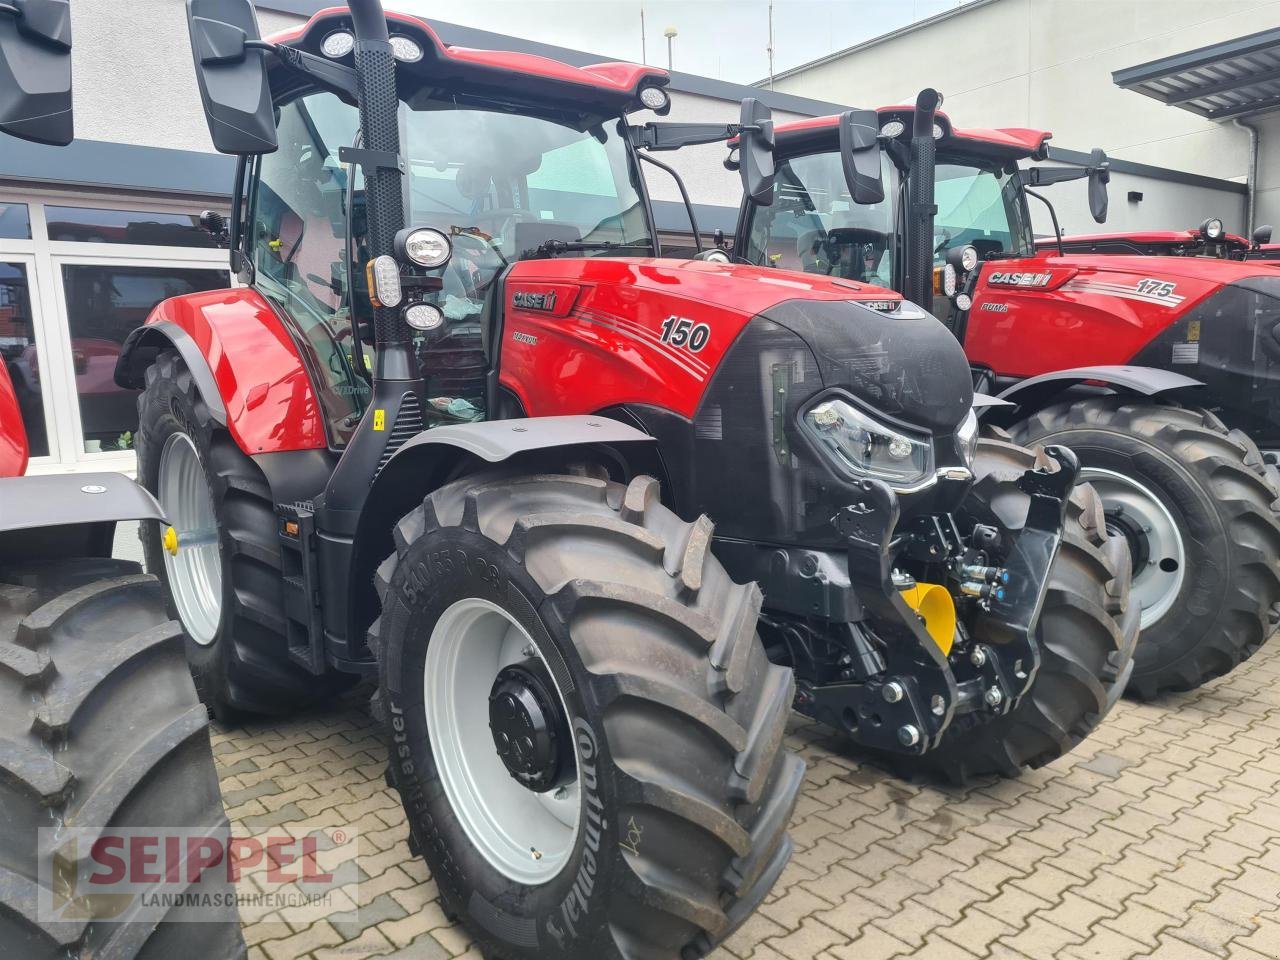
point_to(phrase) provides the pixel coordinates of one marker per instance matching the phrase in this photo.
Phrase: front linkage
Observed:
(900, 684)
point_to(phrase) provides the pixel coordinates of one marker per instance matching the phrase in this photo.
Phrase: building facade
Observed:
(1048, 64)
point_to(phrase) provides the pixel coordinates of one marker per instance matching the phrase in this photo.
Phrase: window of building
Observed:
(143, 227)
(15, 221)
(18, 348)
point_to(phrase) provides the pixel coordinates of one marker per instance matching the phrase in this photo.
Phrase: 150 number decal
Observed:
(683, 332)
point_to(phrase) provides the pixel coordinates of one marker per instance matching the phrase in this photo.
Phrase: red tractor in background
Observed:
(462, 427)
(100, 726)
(1160, 373)
(1210, 239)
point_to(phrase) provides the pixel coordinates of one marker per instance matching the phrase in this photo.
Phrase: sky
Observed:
(724, 39)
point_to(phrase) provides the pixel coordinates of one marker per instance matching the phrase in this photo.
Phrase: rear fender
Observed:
(436, 457)
(1035, 393)
(68, 515)
(245, 364)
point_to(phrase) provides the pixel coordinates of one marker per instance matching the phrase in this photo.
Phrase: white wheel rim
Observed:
(195, 571)
(526, 836)
(1158, 581)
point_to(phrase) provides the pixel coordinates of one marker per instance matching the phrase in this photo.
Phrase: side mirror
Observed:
(1099, 177)
(35, 70)
(755, 152)
(860, 155)
(1262, 235)
(229, 59)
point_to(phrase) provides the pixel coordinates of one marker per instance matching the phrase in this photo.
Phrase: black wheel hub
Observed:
(1120, 524)
(530, 730)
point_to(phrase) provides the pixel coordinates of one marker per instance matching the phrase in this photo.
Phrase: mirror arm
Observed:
(332, 76)
(1044, 176)
(684, 195)
(673, 136)
(1053, 215)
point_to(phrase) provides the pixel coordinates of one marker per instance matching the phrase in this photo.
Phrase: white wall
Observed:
(1047, 64)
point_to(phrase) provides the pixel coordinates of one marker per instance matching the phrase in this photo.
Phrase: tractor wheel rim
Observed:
(195, 570)
(1137, 512)
(526, 836)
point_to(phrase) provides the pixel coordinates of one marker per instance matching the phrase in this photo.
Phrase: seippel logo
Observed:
(530, 300)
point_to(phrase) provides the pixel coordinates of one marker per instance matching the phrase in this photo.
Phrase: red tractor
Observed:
(1159, 373)
(1210, 239)
(101, 730)
(462, 428)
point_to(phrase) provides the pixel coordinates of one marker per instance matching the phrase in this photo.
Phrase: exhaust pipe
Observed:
(920, 206)
(384, 184)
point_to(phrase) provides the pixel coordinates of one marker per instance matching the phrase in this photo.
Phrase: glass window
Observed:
(978, 207)
(299, 238)
(105, 304)
(813, 224)
(15, 222)
(93, 225)
(18, 347)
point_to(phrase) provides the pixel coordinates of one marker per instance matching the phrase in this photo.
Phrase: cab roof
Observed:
(1008, 143)
(607, 87)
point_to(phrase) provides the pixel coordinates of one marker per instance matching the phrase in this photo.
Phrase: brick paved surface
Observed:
(1158, 837)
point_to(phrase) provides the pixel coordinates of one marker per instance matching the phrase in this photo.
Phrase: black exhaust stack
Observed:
(918, 285)
(384, 173)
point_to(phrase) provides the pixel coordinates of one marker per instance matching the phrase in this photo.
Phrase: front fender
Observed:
(1036, 392)
(244, 362)
(51, 518)
(437, 456)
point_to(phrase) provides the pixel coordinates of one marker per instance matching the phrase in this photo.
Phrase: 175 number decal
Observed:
(683, 332)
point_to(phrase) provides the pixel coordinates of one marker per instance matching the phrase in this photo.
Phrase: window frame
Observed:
(44, 259)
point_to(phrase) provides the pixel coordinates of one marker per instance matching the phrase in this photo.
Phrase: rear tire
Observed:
(245, 668)
(1087, 632)
(100, 728)
(1213, 484)
(678, 718)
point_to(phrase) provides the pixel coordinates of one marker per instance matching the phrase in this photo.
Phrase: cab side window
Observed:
(298, 238)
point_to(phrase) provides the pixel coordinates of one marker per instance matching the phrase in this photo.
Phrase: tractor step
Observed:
(304, 630)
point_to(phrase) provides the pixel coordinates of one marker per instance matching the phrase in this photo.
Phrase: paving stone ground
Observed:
(1158, 837)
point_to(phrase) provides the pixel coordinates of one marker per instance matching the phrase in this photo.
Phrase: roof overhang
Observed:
(1223, 81)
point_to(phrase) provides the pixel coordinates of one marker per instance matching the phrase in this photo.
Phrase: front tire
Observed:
(1087, 632)
(100, 729)
(1195, 502)
(675, 718)
(227, 593)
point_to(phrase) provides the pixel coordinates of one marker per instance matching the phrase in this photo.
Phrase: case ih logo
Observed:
(528, 300)
(1007, 279)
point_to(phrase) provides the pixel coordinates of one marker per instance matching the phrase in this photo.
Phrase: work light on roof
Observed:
(405, 49)
(1212, 229)
(893, 128)
(338, 44)
(655, 98)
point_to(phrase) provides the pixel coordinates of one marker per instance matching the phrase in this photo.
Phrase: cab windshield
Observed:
(813, 224)
(504, 186)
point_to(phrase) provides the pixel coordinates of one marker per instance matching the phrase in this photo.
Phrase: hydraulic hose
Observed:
(919, 276)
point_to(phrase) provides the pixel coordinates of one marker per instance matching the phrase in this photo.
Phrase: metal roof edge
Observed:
(1164, 174)
(1190, 59)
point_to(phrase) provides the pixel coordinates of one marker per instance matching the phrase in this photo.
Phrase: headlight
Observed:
(868, 448)
(424, 246)
(967, 438)
(1212, 229)
(949, 280)
(968, 257)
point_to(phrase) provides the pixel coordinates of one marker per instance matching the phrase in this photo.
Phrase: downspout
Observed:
(1252, 202)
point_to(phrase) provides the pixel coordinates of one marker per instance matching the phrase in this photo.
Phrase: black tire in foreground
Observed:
(677, 716)
(246, 666)
(1214, 485)
(1087, 632)
(100, 728)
